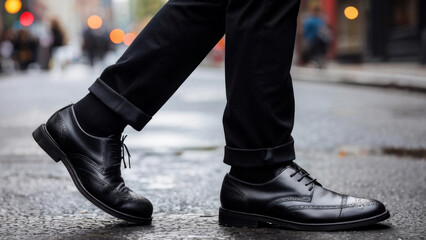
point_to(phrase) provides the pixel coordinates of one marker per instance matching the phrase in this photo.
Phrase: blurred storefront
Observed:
(399, 24)
(379, 30)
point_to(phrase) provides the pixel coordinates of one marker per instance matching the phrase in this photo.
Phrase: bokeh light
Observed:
(128, 38)
(26, 19)
(351, 12)
(117, 36)
(12, 6)
(94, 22)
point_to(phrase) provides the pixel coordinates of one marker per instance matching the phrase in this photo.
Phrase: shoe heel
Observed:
(234, 219)
(46, 142)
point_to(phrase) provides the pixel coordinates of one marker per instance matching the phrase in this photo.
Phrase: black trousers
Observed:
(259, 115)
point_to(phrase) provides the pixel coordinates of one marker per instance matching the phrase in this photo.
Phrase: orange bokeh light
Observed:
(351, 12)
(128, 38)
(94, 22)
(117, 36)
(12, 6)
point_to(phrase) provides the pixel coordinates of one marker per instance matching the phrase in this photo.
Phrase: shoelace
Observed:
(304, 174)
(124, 148)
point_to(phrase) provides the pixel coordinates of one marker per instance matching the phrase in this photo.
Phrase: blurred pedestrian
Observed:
(95, 44)
(42, 32)
(317, 37)
(58, 35)
(58, 40)
(25, 47)
(6, 51)
(89, 45)
(264, 184)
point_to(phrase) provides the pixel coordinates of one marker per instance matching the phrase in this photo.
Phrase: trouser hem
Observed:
(251, 158)
(133, 116)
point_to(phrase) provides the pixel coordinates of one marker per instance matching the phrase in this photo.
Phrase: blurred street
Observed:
(369, 142)
(360, 85)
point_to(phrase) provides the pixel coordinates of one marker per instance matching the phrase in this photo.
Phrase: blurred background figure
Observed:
(317, 38)
(44, 39)
(7, 64)
(95, 44)
(25, 47)
(59, 43)
(58, 34)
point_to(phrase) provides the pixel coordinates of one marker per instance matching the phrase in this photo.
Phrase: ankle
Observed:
(96, 118)
(258, 174)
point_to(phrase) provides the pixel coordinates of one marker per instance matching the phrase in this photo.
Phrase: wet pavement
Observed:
(368, 142)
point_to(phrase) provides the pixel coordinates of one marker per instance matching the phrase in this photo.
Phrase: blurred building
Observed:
(401, 25)
(381, 30)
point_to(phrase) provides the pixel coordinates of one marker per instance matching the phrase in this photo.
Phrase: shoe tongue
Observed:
(116, 138)
(115, 148)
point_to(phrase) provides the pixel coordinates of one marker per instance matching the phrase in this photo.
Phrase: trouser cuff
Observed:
(251, 158)
(120, 105)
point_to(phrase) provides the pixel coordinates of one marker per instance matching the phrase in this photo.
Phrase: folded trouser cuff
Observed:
(261, 157)
(120, 105)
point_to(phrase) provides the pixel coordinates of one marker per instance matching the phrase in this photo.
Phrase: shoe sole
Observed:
(231, 218)
(49, 145)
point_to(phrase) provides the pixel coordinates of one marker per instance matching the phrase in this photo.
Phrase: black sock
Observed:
(258, 174)
(96, 118)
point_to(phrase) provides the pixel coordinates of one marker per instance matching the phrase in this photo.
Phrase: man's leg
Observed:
(86, 136)
(264, 185)
(163, 55)
(259, 114)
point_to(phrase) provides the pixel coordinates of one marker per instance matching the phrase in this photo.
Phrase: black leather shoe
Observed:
(94, 165)
(294, 200)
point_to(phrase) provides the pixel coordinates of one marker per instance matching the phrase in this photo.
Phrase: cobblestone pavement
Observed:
(361, 141)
